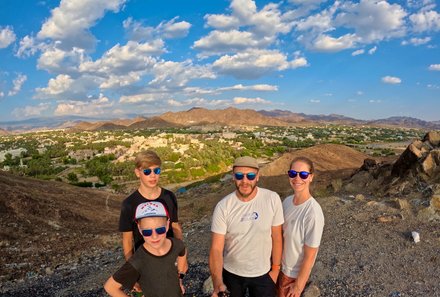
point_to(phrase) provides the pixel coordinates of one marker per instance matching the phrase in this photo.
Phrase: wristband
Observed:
(275, 267)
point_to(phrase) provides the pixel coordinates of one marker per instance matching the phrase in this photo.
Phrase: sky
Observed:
(119, 58)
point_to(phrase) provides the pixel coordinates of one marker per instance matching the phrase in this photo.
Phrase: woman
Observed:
(302, 230)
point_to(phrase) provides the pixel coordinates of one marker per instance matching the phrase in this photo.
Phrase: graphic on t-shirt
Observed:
(252, 216)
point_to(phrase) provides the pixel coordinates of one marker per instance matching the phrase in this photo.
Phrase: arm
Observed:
(216, 262)
(305, 270)
(127, 244)
(177, 230)
(277, 249)
(182, 267)
(113, 288)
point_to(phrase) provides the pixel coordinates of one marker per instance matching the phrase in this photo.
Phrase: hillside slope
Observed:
(40, 220)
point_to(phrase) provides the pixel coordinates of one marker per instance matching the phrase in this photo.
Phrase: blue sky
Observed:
(113, 58)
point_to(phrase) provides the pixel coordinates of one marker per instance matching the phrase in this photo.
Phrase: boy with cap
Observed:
(246, 242)
(153, 264)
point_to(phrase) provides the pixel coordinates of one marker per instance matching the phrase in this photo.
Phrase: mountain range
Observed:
(201, 117)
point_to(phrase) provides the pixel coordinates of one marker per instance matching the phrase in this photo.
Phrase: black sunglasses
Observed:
(149, 232)
(148, 171)
(241, 175)
(302, 174)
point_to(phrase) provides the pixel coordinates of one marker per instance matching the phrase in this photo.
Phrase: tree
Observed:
(72, 177)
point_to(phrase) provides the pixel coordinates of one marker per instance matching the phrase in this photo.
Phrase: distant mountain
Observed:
(153, 122)
(40, 123)
(292, 117)
(406, 122)
(229, 116)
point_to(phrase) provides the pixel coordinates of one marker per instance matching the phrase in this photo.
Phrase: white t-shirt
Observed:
(247, 227)
(303, 225)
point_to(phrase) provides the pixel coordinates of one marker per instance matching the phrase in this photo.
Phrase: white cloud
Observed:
(240, 87)
(221, 21)
(391, 80)
(173, 29)
(17, 84)
(359, 93)
(121, 60)
(141, 98)
(70, 22)
(315, 101)
(434, 67)
(372, 20)
(372, 50)
(178, 74)
(99, 106)
(416, 41)
(197, 102)
(7, 36)
(358, 52)
(375, 101)
(256, 63)
(218, 42)
(425, 21)
(260, 28)
(56, 61)
(325, 43)
(168, 30)
(29, 111)
(243, 100)
(28, 47)
(66, 88)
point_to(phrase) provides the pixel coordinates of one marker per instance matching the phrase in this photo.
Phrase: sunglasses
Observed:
(148, 171)
(241, 175)
(302, 174)
(149, 232)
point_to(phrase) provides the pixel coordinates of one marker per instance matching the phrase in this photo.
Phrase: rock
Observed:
(428, 214)
(407, 159)
(368, 164)
(387, 218)
(429, 164)
(337, 185)
(208, 287)
(48, 271)
(433, 137)
(401, 204)
(435, 202)
(311, 291)
(360, 197)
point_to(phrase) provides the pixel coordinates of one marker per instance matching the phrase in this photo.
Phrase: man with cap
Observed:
(246, 242)
(153, 265)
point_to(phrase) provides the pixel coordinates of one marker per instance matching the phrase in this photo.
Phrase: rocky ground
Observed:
(367, 248)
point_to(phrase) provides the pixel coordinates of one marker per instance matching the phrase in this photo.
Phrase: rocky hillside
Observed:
(229, 116)
(44, 224)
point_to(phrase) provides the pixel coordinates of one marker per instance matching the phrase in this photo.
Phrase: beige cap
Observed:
(246, 161)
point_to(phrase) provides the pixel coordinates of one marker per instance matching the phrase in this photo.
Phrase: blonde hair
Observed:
(147, 159)
(304, 160)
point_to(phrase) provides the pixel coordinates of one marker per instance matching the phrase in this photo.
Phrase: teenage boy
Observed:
(153, 265)
(147, 170)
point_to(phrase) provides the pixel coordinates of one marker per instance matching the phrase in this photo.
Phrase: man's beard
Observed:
(243, 194)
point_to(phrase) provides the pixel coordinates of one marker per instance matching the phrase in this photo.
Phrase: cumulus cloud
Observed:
(28, 47)
(142, 98)
(416, 41)
(17, 84)
(372, 50)
(243, 100)
(434, 67)
(315, 101)
(325, 43)
(70, 22)
(197, 102)
(258, 87)
(425, 21)
(168, 30)
(358, 52)
(29, 111)
(65, 87)
(178, 74)
(7, 36)
(57, 61)
(98, 106)
(246, 27)
(254, 64)
(391, 80)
